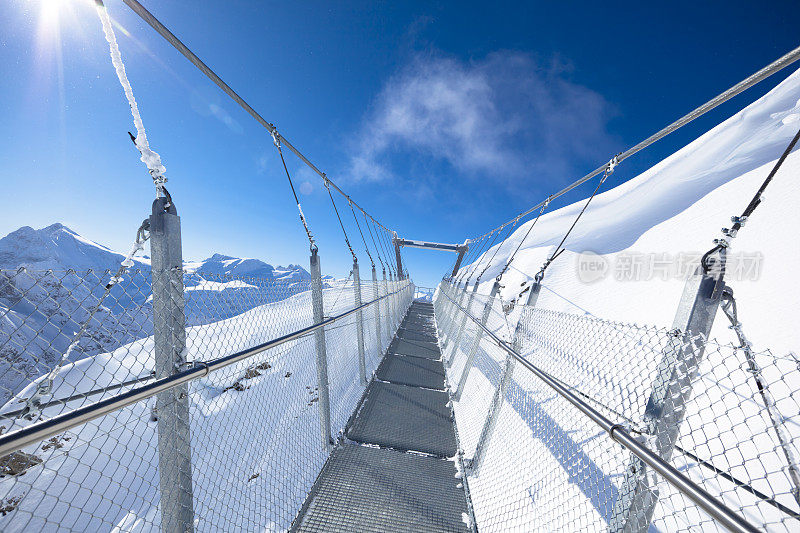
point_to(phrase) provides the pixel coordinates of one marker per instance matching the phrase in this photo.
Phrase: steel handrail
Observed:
(716, 509)
(45, 429)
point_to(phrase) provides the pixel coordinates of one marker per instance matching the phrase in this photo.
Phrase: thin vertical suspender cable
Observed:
(374, 245)
(559, 248)
(366, 248)
(474, 257)
(489, 263)
(341, 225)
(277, 143)
(524, 238)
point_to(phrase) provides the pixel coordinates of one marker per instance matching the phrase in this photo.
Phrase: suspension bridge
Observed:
(370, 404)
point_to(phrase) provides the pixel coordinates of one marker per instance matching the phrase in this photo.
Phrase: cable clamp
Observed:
(610, 166)
(739, 220)
(275, 137)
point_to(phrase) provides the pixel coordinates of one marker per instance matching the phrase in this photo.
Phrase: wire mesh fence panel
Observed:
(612, 363)
(343, 371)
(545, 466)
(53, 319)
(472, 407)
(254, 442)
(740, 437)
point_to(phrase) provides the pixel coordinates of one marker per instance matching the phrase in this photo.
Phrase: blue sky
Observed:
(442, 119)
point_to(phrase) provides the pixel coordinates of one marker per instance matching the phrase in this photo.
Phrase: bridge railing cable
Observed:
(767, 71)
(249, 380)
(545, 406)
(162, 30)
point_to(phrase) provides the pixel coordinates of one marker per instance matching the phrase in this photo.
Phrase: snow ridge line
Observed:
(723, 97)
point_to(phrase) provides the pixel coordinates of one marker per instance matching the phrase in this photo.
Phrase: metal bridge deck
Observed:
(371, 484)
(412, 371)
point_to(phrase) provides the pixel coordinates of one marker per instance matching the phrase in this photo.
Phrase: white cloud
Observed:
(504, 117)
(306, 188)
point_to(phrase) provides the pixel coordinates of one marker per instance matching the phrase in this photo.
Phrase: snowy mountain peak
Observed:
(54, 247)
(58, 247)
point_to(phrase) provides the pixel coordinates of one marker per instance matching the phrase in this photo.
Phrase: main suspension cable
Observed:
(500, 245)
(162, 30)
(528, 232)
(743, 85)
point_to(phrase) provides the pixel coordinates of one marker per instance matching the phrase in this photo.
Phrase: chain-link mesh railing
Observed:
(537, 463)
(253, 447)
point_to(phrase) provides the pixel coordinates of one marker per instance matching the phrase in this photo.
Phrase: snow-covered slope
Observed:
(670, 213)
(57, 247)
(43, 305)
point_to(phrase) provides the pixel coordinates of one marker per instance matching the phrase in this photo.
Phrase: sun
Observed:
(56, 16)
(50, 14)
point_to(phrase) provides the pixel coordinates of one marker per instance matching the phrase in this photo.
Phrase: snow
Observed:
(65, 273)
(547, 468)
(677, 208)
(256, 447)
(255, 436)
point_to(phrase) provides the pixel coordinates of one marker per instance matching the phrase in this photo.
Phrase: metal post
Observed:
(396, 302)
(473, 349)
(672, 388)
(500, 393)
(460, 331)
(461, 251)
(390, 306)
(169, 335)
(377, 306)
(322, 356)
(398, 257)
(450, 311)
(362, 366)
(389, 334)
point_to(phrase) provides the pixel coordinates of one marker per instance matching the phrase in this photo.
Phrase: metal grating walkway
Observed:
(398, 471)
(405, 418)
(412, 371)
(371, 489)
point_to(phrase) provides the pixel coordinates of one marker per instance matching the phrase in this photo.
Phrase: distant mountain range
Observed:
(51, 278)
(57, 247)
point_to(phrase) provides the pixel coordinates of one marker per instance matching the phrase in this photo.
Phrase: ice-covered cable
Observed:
(150, 158)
